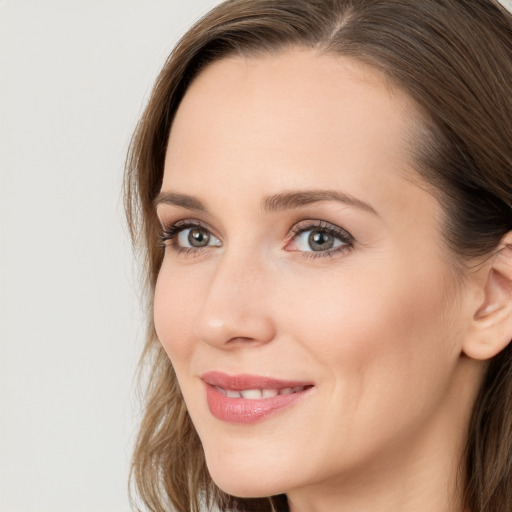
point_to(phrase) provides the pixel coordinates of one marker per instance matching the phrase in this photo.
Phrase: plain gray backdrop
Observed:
(74, 77)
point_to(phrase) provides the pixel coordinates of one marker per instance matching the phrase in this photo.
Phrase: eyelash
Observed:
(324, 227)
(169, 235)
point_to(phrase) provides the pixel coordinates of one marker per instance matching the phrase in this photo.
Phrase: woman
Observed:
(330, 182)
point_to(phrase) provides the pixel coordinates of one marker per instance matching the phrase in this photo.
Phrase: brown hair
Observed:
(454, 59)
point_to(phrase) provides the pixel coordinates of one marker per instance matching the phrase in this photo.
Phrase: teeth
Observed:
(251, 394)
(221, 390)
(256, 394)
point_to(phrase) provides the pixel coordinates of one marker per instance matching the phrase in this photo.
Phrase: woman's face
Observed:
(305, 298)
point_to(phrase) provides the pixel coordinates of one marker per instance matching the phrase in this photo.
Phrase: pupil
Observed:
(198, 237)
(320, 241)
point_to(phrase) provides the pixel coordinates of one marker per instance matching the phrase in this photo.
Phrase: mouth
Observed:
(258, 394)
(246, 399)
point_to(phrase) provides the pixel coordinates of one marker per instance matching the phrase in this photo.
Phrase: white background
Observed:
(74, 77)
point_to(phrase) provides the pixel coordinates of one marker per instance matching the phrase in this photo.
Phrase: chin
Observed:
(247, 481)
(246, 487)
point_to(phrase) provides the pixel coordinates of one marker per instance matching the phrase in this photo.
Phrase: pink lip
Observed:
(242, 410)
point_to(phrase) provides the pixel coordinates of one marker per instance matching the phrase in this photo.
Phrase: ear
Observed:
(491, 329)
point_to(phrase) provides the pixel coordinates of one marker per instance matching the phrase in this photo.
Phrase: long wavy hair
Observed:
(453, 58)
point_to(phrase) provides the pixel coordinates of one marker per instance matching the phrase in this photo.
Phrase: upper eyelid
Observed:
(169, 215)
(319, 225)
(296, 229)
(312, 224)
(188, 223)
(171, 231)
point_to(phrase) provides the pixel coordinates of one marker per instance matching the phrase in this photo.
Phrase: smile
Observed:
(256, 394)
(246, 399)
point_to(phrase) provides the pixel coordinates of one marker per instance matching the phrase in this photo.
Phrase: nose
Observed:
(236, 307)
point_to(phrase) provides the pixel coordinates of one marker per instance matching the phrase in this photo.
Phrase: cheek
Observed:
(356, 317)
(173, 313)
(383, 352)
(388, 330)
(353, 314)
(375, 339)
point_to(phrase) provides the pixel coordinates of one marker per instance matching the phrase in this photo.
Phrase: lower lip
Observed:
(242, 410)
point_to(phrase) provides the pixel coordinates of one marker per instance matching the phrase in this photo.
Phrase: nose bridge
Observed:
(234, 307)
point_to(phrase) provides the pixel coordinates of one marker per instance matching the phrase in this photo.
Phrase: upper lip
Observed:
(244, 381)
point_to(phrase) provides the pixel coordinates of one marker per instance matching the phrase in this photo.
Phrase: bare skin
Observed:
(374, 317)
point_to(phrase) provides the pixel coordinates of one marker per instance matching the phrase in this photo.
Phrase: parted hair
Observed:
(453, 58)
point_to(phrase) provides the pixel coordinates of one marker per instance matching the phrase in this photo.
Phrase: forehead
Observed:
(298, 99)
(294, 120)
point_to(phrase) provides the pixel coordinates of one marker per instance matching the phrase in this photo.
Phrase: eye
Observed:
(190, 236)
(194, 237)
(319, 237)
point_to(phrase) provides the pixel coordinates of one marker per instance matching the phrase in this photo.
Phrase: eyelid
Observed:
(170, 230)
(189, 222)
(320, 225)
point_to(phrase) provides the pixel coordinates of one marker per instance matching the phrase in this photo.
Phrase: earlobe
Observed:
(491, 328)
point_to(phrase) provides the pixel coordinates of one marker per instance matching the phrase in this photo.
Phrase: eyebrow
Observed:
(290, 200)
(182, 200)
(275, 203)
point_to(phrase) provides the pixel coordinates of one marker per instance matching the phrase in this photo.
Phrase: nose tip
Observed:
(233, 325)
(235, 311)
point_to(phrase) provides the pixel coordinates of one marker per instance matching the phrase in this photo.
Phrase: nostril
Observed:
(242, 340)
(235, 329)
